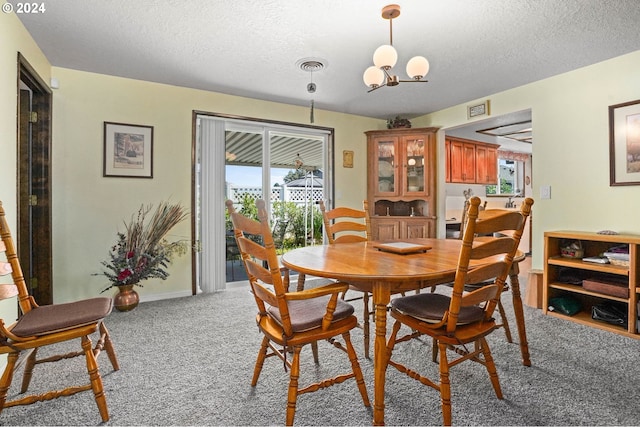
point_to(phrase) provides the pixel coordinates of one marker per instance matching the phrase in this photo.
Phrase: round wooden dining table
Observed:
(383, 273)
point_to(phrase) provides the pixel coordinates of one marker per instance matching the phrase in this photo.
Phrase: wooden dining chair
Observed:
(40, 326)
(291, 320)
(483, 212)
(348, 225)
(463, 220)
(461, 321)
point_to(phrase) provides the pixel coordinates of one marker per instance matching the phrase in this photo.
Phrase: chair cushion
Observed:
(473, 286)
(307, 314)
(48, 319)
(431, 307)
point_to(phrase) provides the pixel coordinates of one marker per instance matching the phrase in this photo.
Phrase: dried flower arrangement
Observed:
(143, 252)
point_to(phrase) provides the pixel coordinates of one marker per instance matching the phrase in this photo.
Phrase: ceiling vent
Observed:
(311, 65)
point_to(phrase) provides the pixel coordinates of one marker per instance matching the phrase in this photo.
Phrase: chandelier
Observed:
(385, 57)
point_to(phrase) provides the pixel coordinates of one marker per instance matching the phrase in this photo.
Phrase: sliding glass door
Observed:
(287, 166)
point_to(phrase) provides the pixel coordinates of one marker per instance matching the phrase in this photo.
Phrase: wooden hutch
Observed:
(401, 185)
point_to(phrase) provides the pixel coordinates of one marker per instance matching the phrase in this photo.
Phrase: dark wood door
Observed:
(34, 182)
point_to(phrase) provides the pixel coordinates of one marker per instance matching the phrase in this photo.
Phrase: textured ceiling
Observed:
(251, 47)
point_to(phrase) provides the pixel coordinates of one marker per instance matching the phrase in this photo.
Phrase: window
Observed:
(510, 179)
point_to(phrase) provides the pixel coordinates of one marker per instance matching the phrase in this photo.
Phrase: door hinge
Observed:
(33, 117)
(33, 200)
(33, 283)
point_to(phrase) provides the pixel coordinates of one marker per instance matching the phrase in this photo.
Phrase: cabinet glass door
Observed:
(386, 159)
(414, 178)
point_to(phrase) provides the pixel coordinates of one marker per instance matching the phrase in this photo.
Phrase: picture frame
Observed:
(347, 159)
(128, 150)
(481, 109)
(624, 143)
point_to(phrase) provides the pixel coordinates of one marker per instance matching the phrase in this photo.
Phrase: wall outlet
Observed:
(545, 192)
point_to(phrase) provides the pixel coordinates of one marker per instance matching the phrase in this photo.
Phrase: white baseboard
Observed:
(168, 295)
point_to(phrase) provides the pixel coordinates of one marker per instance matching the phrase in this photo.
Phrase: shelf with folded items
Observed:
(583, 265)
(590, 283)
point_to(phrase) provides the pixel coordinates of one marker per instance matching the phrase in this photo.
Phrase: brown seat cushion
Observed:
(307, 314)
(47, 319)
(473, 286)
(431, 307)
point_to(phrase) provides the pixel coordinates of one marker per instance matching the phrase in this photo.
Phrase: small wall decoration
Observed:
(347, 159)
(128, 150)
(624, 143)
(478, 110)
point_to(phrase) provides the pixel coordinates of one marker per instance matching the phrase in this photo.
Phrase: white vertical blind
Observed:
(212, 233)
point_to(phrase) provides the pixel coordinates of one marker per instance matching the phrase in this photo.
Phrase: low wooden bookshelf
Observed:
(557, 267)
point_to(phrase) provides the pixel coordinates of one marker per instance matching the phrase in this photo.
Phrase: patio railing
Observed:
(298, 195)
(296, 218)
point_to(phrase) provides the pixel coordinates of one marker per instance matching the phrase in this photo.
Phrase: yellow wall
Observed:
(88, 208)
(570, 149)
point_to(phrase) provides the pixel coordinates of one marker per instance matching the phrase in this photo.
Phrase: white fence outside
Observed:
(298, 195)
(301, 196)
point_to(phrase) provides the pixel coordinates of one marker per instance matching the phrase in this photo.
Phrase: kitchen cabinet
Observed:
(470, 162)
(569, 275)
(462, 162)
(401, 185)
(486, 164)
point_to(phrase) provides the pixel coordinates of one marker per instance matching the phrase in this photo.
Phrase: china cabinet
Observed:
(401, 182)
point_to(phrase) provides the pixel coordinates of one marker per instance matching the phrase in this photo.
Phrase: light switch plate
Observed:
(545, 192)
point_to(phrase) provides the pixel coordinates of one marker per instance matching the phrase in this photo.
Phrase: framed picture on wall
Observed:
(624, 143)
(476, 110)
(347, 158)
(128, 150)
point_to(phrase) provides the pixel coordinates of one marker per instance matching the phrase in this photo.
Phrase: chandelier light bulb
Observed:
(373, 76)
(417, 67)
(385, 56)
